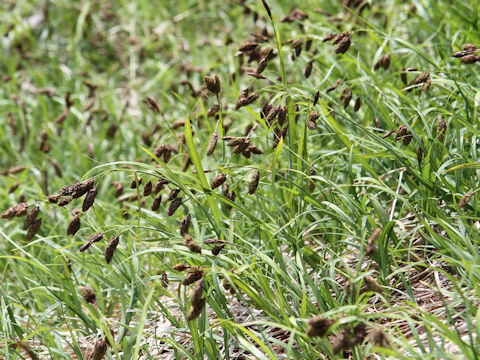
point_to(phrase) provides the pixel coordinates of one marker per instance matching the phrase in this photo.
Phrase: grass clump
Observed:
(239, 179)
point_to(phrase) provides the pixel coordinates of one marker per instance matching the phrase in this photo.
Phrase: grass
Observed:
(298, 252)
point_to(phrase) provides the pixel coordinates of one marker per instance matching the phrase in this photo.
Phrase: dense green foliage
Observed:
(365, 219)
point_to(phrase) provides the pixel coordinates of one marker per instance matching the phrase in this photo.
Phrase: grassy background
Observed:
(297, 247)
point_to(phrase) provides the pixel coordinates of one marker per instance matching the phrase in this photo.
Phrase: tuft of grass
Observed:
(346, 222)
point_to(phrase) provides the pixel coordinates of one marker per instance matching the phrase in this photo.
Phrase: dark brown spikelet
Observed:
(185, 225)
(180, 267)
(74, 225)
(212, 84)
(95, 238)
(420, 79)
(315, 98)
(404, 134)
(308, 69)
(174, 205)
(262, 65)
(346, 97)
(265, 109)
(53, 198)
(311, 120)
(191, 244)
(426, 85)
(65, 201)
(158, 186)
(384, 62)
(13, 188)
(147, 189)
(110, 248)
(164, 280)
(470, 59)
(195, 311)
(357, 105)
(88, 294)
(267, 8)
(82, 188)
(272, 114)
(347, 338)
(89, 199)
(173, 194)
(212, 143)
(216, 249)
(135, 183)
(318, 326)
(32, 215)
(156, 203)
(464, 200)
(218, 180)
(379, 338)
(245, 100)
(343, 45)
(469, 47)
(33, 229)
(441, 129)
(153, 105)
(311, 183)
(247, 46)
(196, 296)
(328, 37)
(370, 248)
(194, 273)
(213, 110)
(17, 210)
(282, 115)
(213, 241)
(419, 154)
(252, 187)
(99, 350)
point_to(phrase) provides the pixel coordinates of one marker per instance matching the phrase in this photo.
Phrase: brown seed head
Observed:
(343, 45)
(79, 189)
(252, 187)
(191, 244)
(195, 311)
(212, 84)
(470, 59)
(173, 194)
(212, 143)
(441, 129)
(469, 47)
(156, 203)
(308, 69)
(89, 199)
(247, 46)
(196, 296)
(318, 326)
(88, 294)
(110, 248)
(194, 273)
(216, 249)
(74, 225)
(174, 205)
(464, 200)
(99, 350)
(32, 215)
(185, 225)
(213, 110)
(153, 105)
(147, 189)
(33, 229)
(262, 65)
(180, 267)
